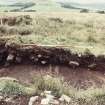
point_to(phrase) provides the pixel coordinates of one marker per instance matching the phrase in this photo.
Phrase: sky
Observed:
(75, 1)
(85, 1)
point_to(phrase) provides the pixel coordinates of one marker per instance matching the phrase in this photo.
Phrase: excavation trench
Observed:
(24, 62)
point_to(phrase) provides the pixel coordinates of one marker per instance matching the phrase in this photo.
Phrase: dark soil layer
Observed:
(24, 62)
(37, 55)
(79, 78)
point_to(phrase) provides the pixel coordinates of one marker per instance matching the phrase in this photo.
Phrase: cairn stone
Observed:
(74, 64)
(10, 57)
(43, 62)
(39, 55)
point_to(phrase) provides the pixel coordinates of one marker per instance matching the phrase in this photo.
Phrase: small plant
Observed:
(24, 30)
(91, 39)
(23, 19)
(3, 29)
(10, 86)
(54, 84)
(87, 51)
(13, 88)
(59, 20)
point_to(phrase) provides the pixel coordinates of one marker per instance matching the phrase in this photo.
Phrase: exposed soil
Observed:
(25, 62)
(20, 100)
(78, 78)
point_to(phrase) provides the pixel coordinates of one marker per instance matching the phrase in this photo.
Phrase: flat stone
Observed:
(74, 63)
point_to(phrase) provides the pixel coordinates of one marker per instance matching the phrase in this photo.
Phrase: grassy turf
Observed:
(58, 87)
(81, 31)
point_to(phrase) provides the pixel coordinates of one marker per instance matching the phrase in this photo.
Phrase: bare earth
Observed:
(78, 78)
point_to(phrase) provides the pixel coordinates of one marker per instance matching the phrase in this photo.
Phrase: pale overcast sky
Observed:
(85, 1)
(77, 1)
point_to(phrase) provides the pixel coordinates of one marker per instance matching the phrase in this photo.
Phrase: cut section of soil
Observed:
(78, 78)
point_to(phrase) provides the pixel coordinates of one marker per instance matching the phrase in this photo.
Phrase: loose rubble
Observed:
(46, 98)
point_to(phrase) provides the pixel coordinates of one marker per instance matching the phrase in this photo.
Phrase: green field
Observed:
(81, 31)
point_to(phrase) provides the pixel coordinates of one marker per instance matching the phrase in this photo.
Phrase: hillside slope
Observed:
(36, 5)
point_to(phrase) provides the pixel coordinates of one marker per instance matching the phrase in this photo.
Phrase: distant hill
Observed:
(68, 5)
(36, 5)
(92, 6)
(46, 5)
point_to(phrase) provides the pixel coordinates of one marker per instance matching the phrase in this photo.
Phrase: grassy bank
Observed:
(82, 31)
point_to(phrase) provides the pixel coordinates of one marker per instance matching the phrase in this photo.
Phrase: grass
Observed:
(91, 96)
(9, 86)
(54, 84)
(82, 31)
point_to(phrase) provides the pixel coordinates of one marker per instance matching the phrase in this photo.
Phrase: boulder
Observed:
(33, 100)
(49, 96)
(54, 102)
(9, 99)
(65, 98)
(1, 98)
(10, 57)
(45, 101)
(43, 62)
(39, 55)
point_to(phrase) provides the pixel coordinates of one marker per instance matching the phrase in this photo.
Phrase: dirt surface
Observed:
(78, 78)
(19, 100)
